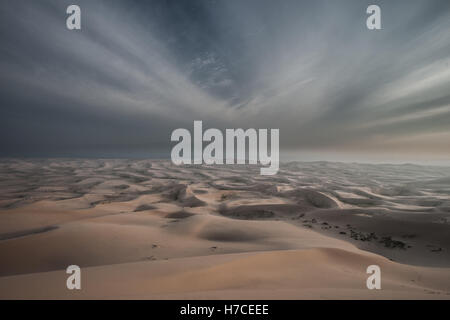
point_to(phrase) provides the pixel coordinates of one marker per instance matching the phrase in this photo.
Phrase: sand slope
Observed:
(293, 274)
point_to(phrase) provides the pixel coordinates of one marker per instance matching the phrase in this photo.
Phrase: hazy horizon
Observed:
(295, 156)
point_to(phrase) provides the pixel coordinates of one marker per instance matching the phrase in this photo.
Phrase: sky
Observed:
(137, 70)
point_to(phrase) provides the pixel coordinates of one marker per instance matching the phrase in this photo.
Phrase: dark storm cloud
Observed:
(139, 69)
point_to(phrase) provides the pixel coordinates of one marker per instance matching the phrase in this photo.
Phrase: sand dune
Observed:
(148, 229)
(294, 274)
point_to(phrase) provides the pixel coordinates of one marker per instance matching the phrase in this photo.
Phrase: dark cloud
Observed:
(139, 69)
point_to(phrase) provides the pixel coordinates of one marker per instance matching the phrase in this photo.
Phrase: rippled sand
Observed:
(148, 229)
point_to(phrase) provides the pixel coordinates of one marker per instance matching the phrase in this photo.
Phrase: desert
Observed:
(147, 229)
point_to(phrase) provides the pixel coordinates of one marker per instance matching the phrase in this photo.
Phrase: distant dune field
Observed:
(144, 229)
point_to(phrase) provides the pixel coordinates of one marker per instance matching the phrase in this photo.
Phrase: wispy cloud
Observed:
(137, 71)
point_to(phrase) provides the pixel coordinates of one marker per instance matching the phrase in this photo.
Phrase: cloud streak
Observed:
(136, 71)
